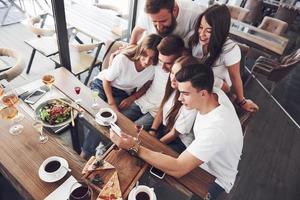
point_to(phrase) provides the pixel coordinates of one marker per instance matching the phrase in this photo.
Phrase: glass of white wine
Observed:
(95, 105)
(49, 80)
(38, 125)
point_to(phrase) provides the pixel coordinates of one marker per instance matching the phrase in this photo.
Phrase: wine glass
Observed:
(10, 113)
(95, 93)
(138, 128)
(80, 191)
(49, 80)
(38, 125)
(77, 91)
(11, 100)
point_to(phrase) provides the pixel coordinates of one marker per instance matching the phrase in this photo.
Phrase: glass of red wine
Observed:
(77, 91)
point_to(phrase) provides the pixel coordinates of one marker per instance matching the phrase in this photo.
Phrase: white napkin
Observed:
(62, 192)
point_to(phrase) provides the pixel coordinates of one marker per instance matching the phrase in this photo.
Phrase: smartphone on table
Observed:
(157, 172)
(35, 96)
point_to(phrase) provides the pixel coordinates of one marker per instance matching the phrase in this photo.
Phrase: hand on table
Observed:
(124, 142)
(250, 106)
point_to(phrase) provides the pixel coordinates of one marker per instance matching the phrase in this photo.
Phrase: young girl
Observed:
(176, 120)
(210, 43)
(130, 69)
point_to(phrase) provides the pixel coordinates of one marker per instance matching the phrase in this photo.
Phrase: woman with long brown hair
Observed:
(211, 44)
(173, 123)
(130, 69)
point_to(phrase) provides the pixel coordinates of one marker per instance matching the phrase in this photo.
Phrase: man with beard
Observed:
(165, 17)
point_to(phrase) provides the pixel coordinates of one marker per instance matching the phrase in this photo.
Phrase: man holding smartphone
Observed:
(218, 134)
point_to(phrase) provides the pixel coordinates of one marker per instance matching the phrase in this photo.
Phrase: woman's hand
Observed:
(127, 102)
(250, 106)
(114, 107)
(124, 142)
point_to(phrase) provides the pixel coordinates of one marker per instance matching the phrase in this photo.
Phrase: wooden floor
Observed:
(270, 165)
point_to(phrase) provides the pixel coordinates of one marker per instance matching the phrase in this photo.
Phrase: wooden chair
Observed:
(273, 25)
(286, 13)
(255, 14)
(45, 43)
(275, 70)
(110, 47)
(16, 69)
(238, 13)
(81, 59)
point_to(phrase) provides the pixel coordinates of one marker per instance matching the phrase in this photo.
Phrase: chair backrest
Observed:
(238, 13)
(16, 69)
(39, 31)
(110, 47)
(255, 14)
(273, 25)
(286, 13)
(274, 70)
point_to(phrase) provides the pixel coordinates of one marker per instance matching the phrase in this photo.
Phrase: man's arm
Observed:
(176, 167)
(136, 35)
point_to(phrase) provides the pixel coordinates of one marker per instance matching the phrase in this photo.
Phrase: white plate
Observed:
(49, 179)
(106, 124)
(131, 197)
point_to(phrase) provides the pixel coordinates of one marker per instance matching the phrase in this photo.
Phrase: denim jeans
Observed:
(118, 94)
(91, 139)
(135, 114)
(177, 145)
(214, 191)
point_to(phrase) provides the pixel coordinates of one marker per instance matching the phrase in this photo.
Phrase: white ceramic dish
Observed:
(98, 118)
(44, 176)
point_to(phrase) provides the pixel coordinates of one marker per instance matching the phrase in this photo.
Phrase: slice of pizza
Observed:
(93, 165)
(112, 190)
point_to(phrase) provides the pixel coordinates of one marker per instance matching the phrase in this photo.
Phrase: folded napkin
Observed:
(63, 191)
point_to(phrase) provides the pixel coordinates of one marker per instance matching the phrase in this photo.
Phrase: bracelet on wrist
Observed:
(242, 102)
(153, 129)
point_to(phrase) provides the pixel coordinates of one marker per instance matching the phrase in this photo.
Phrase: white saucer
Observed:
(105, 124)
(131, 197)
(49, 179)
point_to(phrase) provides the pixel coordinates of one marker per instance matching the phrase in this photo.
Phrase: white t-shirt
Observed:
(187, 15)
(150, 101)
(184, 122)
(231, 54)
(123, 74)
(219, 141)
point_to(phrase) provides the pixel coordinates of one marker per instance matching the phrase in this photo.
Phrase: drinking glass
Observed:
(95, 105)
(80, 191)
(138, 128)
(77, 91)
(10, 113)
(1, 90)
(11, 100)
(38, 125)
(49, 80)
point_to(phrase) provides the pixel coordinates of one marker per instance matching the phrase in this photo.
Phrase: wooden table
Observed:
(196, 181)
(22, 155)
(94, 22)
(257, 38)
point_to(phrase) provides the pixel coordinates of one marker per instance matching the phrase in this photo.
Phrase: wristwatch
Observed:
(133, 151)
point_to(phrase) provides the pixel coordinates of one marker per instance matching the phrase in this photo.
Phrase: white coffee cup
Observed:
(53, 166)
(105, 115)
(143, 188)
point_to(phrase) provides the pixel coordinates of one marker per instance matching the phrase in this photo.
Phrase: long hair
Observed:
(172, 115)
(134, 52)
(218, 17)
